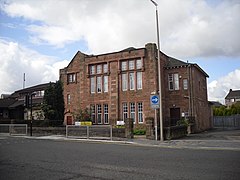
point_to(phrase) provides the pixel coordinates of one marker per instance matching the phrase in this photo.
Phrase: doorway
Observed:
(174, 116)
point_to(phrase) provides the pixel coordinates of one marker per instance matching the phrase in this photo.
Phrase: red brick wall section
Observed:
(115, 97)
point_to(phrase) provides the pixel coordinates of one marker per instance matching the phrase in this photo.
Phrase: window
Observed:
(170, 82)
(124, 82)
(131, 65)
(139, 63)
(99, 84)
(68, 99)
(125, 111)
(92, 69)
(132, 81)
(98, 81)
(140, 112)
(105, 68)
(105, 83)
(71, 78)
(124, 66)
(106, 114)
(93, 115)
(139, 80)
(99, 69)
(93, 85)
(132, 111)
(99, 114)
(185, 84)
(176, 82)
(173, 81)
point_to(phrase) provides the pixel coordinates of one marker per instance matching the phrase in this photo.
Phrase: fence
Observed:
(226, 121)
(13, 129)
(87, 132)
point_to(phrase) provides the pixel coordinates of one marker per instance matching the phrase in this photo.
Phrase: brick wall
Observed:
(81, 96)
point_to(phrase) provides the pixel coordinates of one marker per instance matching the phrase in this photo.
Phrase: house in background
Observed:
(232, 97)
(13, 107)
(118, 85)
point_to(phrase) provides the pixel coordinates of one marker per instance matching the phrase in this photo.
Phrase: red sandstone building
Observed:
(118, 85)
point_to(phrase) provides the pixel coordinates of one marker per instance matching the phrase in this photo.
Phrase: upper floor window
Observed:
(98, 79)
(124, 65)
(99, 69)
(131, 65)
(105, 68)
(92, 69)
(185, 84)
(139, 80)
(132, 79)
(68, 99)
(124, 82)
(173, 81)
(139, 63)
(71, 78)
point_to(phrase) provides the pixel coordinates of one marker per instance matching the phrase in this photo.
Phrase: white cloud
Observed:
(218, 89)
(16, 60)
(188, 28)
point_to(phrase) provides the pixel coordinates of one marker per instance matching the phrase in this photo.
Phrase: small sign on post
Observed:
(154, 99)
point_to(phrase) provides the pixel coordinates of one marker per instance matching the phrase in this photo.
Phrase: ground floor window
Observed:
(132, 111)
(99, 113)
(140, 112)
(135, 111)
(106, 114)
(125, 111)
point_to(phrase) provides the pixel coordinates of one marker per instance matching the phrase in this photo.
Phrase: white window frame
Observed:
(99, 68)
(133, 111)
(99, 113)
(106, 117)
(124, 82)
(131, 64)
(99, 84)
(105, 83)
(92, 85)
(139, 80)
(132, 81)
(92, 69)
(93, 113)
(139, 64)
(176, 81)
(185, 84)
(170, 82)
(71, 77)
(124, 65)
(125, 111)
(105, 68)
(140, 112)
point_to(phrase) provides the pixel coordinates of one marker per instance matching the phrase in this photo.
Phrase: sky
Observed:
(40, 37)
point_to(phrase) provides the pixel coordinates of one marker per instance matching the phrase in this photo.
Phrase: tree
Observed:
(227, 111)
(53, 102)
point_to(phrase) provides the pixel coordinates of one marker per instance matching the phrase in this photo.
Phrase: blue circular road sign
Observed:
(155, 99)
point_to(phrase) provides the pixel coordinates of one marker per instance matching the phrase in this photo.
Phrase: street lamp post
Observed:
(159, 74)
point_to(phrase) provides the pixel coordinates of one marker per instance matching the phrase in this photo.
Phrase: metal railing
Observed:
(13, 129)
(89, 132)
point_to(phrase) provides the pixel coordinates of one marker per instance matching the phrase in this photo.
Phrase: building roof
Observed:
(233, 94)
(175, 63)
(216, 103)
(4, 103)
(34, 88)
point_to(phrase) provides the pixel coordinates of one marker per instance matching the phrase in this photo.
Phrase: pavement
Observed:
(216, 139)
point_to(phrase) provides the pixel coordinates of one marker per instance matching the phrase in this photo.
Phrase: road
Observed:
(22, 158)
